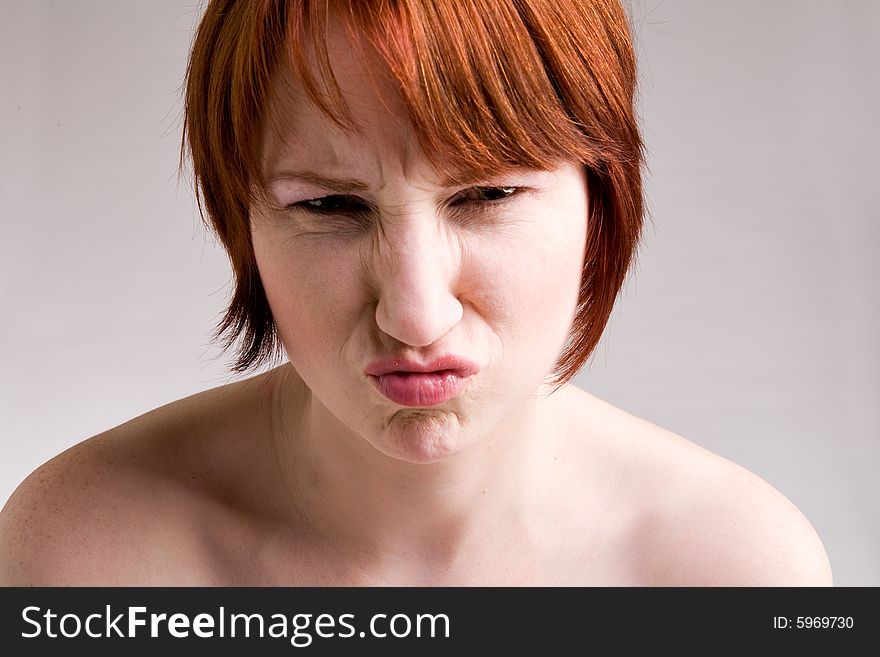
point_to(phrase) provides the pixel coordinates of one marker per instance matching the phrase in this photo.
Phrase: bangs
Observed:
(488, 85)
(477, 84)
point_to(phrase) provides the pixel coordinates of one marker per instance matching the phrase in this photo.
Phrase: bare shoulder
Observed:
(121, 508)
(65, 519)
(695, 518)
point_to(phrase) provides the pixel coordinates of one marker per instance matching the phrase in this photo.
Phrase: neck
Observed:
(484, 498)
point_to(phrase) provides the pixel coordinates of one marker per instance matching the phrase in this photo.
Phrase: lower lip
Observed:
(420, 388)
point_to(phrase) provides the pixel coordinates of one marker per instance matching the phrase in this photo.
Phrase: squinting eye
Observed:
(488, 193)
(334, 203)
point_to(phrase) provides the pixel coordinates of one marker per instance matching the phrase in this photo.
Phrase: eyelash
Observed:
(511, 192)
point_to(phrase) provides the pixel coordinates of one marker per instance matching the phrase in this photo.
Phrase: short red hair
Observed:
(487, 83)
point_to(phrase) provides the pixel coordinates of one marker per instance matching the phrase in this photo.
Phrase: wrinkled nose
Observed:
(417, 297)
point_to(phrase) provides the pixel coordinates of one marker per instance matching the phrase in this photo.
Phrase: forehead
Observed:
(298, 129)
(471, 96)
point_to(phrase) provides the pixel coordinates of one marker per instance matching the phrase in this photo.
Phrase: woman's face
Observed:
(373, 265)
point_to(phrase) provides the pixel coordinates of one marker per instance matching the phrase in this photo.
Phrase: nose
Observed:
(417, 272)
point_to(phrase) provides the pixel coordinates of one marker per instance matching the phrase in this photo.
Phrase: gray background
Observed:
(749, 325)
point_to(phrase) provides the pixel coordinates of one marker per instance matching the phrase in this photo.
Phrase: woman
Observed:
(430, 207)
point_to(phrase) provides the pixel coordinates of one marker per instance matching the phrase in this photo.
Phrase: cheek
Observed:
(528, 284)
(314, 294)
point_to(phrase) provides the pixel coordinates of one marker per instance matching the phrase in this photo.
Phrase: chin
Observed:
(422, 436)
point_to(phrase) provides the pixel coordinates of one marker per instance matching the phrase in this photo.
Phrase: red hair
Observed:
(487, 83)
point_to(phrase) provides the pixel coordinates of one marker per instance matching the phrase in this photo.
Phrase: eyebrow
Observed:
(346, 185)
(341, 185)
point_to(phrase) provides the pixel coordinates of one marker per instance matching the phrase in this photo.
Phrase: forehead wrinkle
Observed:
(386, 138)
(337, 154)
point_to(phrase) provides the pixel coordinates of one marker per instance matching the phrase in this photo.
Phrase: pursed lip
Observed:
(420, 384)
(457, 365)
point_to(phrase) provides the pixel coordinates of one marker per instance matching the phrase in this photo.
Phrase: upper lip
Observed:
(458, 364)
